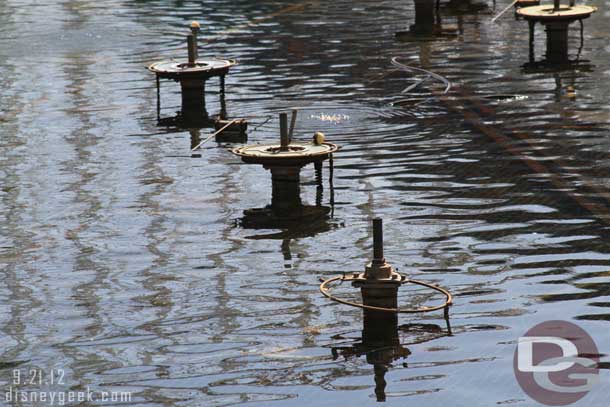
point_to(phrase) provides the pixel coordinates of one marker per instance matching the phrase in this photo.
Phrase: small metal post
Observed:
(223, 102)
(331, 168)
(158, 97)
(446, 316)
(195, 31)
(556, 5)
(378, 241)
(293, 122)
(192, 49)
(284, 139)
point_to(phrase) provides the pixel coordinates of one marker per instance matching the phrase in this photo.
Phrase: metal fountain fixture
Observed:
(285, 161)
(192, 75)
(379, 284)
(556, 19)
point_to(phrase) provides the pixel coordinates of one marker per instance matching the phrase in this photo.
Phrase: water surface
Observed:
(123, 259)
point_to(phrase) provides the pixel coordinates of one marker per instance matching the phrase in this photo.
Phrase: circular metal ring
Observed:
(201, 66)
(546, 13)
(325, 290)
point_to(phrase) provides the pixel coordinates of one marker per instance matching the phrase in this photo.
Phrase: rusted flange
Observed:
(546, 14)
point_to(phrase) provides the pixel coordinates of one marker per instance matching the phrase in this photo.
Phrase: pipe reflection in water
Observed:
(288, 213)
(194, 116)
(428, 22)
(381, 343)
(293, 218)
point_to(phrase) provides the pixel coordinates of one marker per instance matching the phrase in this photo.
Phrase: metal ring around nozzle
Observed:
(325, 290)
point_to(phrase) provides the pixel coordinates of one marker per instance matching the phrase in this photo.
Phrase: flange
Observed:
(546, 13)
(201, 68)
(296, 154)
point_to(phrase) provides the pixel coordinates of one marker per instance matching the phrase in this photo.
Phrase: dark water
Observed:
(123, 262)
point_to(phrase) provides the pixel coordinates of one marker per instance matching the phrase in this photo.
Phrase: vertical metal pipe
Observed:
(192, 49)
(331, 166)
(556, 4)
(194, 31)
(378, 239)
(284, 138)
(293, 122)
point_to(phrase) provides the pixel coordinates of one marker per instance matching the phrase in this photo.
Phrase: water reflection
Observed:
(288, 213)
(428, 23)
(193, 112)
(121, 260)
(382, 344)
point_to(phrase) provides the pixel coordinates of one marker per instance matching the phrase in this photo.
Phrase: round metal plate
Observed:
(545, 12)
(297, 152)
(203, 66)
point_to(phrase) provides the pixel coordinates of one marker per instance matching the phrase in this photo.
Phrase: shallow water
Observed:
(123, 260)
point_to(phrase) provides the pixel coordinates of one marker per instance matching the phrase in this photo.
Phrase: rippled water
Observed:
(123, 260)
